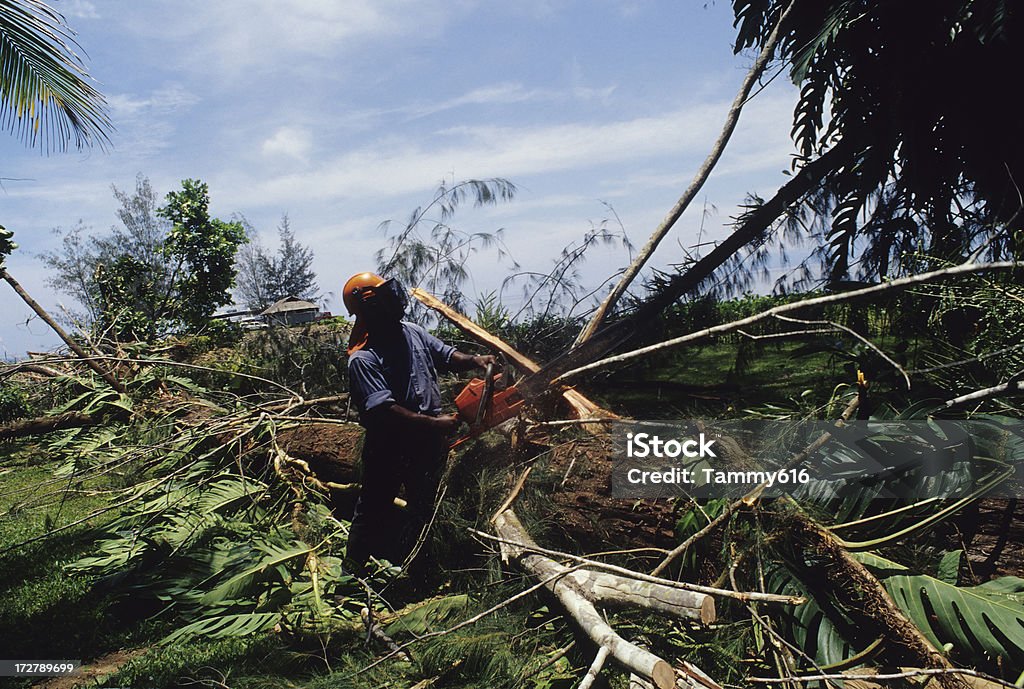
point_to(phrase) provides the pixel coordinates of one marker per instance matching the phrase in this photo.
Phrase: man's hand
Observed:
(483, 361)
(446, 423)
(467, 362)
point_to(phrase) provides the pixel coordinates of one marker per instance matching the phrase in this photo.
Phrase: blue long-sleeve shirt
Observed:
(399, 371)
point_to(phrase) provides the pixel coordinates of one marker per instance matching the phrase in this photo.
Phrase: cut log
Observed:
(615, 590)
(578, 590)
(581, 407)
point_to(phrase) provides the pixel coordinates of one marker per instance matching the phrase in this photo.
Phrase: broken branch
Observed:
(899, 283)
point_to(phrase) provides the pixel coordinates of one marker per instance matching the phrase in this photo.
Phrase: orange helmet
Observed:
(358, 288)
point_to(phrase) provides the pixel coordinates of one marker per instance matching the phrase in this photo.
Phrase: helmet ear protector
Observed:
(388, 293)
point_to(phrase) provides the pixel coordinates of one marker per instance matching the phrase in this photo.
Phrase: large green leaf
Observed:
(816, 633)
(227, 625)
(981, 623)
(985, 621)
(877, 490)
(237, 584)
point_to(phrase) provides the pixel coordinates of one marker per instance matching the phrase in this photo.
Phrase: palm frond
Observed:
(46, 96)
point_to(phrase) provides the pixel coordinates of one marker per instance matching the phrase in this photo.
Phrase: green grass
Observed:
(704, 380)
(45, 614)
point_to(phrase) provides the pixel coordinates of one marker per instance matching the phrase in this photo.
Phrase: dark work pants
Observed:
(393, 458)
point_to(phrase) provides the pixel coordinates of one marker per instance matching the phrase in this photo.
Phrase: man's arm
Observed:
(468, 362)
(392, 415)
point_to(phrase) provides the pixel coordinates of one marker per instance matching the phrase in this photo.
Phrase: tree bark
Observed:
(827, 569)
(45, 424)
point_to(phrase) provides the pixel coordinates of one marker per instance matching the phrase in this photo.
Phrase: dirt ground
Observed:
(993, 534)
(92, 673)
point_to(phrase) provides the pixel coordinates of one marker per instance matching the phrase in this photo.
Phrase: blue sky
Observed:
(344, 114)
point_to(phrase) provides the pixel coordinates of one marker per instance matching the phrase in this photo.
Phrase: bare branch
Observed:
(900, 283)
(1010, 387)
(855, 334)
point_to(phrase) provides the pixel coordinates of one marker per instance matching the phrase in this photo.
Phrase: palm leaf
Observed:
(45, 93)
(220, 626)
(808, 625)
(273, 562)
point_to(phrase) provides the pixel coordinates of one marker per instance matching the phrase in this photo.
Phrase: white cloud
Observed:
(80, 9)
(290, 142)
(163, 100)
(146, 123)
(287, 32)
(398, 166)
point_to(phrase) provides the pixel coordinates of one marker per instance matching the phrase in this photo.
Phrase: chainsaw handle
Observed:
(486, 395)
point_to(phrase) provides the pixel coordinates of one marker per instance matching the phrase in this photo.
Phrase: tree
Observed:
(139, 237)
(264, 278)
(163, 269)
(436, 260)
(918, 98)
(203, 251)
(45, 96)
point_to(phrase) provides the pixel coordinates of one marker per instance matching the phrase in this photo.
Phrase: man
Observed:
(392, 369)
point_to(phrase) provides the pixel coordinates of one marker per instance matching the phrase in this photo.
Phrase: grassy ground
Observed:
(46, 614)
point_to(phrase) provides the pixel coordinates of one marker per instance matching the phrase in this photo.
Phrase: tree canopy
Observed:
(165, 268)
(264, 278)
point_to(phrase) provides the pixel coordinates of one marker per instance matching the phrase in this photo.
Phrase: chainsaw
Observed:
(485, 403)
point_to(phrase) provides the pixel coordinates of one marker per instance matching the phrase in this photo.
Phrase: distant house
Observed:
(291, 311)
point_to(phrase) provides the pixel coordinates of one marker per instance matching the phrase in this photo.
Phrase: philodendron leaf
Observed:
(949, 567)
(982, 623)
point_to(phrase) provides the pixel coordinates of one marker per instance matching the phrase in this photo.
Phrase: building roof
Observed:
(289, 304)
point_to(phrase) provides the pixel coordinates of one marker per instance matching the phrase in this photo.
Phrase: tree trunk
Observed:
(45, 424)
(581, 407)
(614, 334)
(827, 569)
(695, 186)
(34, 305)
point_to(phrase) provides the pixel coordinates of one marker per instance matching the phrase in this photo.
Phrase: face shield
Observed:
(390, 297)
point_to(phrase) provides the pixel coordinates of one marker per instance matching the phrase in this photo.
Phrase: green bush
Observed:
(14, 402)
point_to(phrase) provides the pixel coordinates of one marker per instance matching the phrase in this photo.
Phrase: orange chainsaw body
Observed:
(504, 405)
